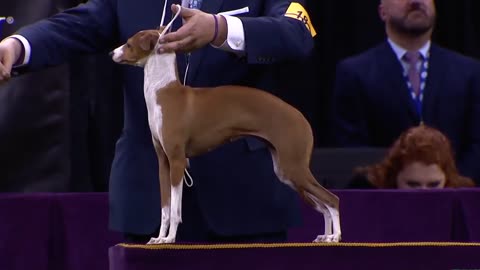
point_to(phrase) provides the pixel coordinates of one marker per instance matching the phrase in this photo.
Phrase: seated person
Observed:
(421, 158)
(407, 80)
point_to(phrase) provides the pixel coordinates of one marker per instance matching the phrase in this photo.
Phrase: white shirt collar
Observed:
(400, 52)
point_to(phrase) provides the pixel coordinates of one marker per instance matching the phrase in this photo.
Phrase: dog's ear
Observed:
(148, 41)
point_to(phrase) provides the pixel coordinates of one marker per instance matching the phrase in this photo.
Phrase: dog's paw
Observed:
(329, 238)
(154, 241)
(320, 239)
(161, 240)
(336, 238)
(168, 240)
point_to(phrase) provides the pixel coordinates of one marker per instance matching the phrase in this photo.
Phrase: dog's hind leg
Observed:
(328, 204)
(165, 189)
(327, 217)
(293, 170)
(335, 214)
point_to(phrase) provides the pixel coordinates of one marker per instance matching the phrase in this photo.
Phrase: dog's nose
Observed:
(110, 54)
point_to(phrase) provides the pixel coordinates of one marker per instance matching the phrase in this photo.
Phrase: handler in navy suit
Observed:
(235, 194)
(408, 80)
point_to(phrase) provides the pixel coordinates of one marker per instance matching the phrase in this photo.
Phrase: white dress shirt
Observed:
(400, 52)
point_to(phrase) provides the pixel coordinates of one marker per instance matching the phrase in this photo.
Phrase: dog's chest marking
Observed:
(159, 71)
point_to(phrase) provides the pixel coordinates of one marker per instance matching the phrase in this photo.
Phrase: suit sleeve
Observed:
(273, 37)
(348, 109)
(87, 28)
(469, 162)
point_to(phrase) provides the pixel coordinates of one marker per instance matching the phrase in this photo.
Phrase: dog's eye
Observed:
(128, 46)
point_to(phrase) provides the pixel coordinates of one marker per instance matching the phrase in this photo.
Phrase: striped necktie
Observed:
(195, 4)
(412, 58)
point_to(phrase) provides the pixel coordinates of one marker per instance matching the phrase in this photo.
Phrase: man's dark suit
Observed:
(235, 189)
(372, 104)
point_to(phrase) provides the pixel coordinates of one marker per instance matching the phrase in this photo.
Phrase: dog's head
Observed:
(137, 48)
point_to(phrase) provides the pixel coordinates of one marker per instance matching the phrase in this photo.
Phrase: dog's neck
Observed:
(159, 71)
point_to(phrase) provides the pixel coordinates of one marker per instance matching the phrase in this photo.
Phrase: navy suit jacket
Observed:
(235, 188)
(372, 104)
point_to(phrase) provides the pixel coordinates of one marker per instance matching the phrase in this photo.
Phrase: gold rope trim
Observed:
(295, 245)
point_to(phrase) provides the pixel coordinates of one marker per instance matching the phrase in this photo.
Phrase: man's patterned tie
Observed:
(196, 4)
(412, 58)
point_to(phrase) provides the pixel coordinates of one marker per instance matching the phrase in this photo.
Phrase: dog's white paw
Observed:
(336, 238)
(168, 240)
(320, 239)
(161, 240)
(154, 241)
(329, 238)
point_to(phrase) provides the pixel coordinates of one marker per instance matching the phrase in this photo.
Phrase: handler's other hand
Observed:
(197, 31)
(10, 50)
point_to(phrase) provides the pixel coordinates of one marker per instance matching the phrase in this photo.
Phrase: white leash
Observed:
(163, 13)
(169, 25)
(188, 184)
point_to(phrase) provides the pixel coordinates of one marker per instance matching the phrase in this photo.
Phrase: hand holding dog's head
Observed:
(137, 48)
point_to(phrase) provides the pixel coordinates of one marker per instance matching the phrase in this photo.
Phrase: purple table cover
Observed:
(345, 256)
(70, 232)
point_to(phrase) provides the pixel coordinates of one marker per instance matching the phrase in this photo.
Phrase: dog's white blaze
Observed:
(117, 54)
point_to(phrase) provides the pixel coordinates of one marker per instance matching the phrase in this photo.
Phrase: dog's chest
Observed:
(159, 72)
(154, 109)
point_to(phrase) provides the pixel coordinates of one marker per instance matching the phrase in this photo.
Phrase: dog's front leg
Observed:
(177, 162)
(165, 184)
(177, 168)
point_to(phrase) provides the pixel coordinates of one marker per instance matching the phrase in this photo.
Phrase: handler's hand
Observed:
(10, 50)
(197, 31)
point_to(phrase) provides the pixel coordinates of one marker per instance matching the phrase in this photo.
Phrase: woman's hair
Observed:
(418, 144)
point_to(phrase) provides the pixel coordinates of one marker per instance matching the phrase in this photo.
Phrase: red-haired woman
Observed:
(421, 157)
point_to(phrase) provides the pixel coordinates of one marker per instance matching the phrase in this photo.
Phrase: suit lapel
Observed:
(434, 82)
(395, 81)
(208, 6)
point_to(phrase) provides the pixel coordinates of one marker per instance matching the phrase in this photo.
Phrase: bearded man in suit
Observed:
(408, 80)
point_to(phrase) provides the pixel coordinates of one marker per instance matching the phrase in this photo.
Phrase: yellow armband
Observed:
(298, 12)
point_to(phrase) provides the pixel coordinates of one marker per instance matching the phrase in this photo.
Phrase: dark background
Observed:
(58, 127)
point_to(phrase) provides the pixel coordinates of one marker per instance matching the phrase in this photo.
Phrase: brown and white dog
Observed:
(185, 122)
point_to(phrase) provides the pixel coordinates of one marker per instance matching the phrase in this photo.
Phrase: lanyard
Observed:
(418, 99)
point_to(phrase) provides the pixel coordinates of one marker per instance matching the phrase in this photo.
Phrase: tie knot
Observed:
(412, 57)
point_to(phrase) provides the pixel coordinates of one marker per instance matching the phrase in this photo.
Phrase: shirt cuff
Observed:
(26, 48)
(235, 41)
